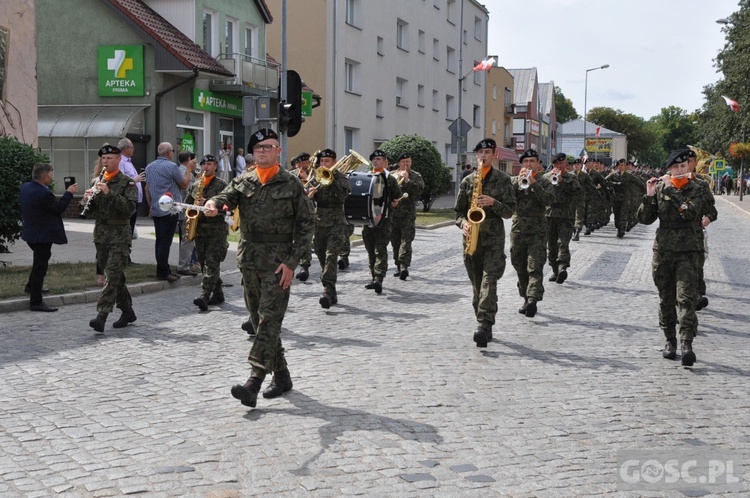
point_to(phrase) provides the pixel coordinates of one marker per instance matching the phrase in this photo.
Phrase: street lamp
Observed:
(723, 20)
(585, 101)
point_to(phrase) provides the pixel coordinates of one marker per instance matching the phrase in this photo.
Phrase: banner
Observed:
(602, 146)
(120, 71)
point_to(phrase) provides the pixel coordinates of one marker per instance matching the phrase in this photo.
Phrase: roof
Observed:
(575, 127)
(523, 85)
(154, 28)
(546, 97)
(505, 154)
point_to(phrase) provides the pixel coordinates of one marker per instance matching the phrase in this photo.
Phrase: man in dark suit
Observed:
(42, 227)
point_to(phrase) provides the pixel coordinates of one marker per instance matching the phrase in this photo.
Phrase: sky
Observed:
(660, 52)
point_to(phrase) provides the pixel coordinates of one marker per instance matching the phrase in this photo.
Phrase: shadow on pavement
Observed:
(564, 359)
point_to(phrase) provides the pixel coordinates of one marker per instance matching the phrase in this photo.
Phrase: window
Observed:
(352, 12)
(229, 44)
(465, 37)
(402, 38)
(422, 43)
(508, 139)
(476, 117)
(380, 45)
(208, 33)
(436, 3)
(494, 92)
(435, 101)
(251, 41)
(351, 138)
(351, 74)
(477, 29)
(477, 76)
(449, 107)
(420, 95)
(435, 49)
(450, 7)
(508, 100)
(401, 92)
(378, 108)
(450, 62)
(494, 127)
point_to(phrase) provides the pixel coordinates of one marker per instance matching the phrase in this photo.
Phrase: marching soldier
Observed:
(599, 205)
(211, 234)
(683, 210)
(584, 209)
(301, 164)
(485, 263)
(403, 230)
(618, 182)
(376, 238)
(330, 227)
(636, 191)
(528, 233)
(276, 231)
(111, 201)
(566, 192)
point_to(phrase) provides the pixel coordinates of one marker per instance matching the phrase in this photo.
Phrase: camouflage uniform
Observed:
(636, 191)
(678, 252)
(376, 238)
(277, 223)
(599, 204)
(584, 210)
(306, 258)
(618, 184)
(487, 265)
(210, 238)
(560, 215)
(710, 213)
(112, 238)
(405, 219)
(528, 236)
(330, 227)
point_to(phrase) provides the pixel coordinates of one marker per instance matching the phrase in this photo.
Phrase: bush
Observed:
(16, 163)
(425, 161)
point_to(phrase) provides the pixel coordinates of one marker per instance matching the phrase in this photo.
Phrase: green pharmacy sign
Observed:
(120, 71)
(203, 100)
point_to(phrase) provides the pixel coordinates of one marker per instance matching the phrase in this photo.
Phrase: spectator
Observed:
(127, 168)
(240, 165)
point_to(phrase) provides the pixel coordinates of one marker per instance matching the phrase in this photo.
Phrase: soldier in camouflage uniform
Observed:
(405, 215)
(528, 233)
(211, 234)
(276, 231)
(599, 204)
(636, 191)
(487, 265)
(376, 238)
(683, 210)
(330, 226)
(112, 206)
(618, 183)
(584, 209)
(560, 217)
(301, 164)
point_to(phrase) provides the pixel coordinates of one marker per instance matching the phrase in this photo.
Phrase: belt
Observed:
(268, 237)
(112, 222)
(678, 224)
(531, 214)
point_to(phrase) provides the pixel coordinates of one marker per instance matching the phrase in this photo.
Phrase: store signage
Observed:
(204, 100)
(120, 71)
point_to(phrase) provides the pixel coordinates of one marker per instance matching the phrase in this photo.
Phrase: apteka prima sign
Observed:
(120, 70)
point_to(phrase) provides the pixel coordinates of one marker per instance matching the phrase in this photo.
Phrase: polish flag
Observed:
(485, 65)
(731, 103)
(598, 130)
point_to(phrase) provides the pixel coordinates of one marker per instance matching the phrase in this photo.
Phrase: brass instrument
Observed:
(345, 165)
(235, 225)
(94, 191)
(192, 213)
(399, 176)
(475, 216)
(554, 178)
(311, 171)
(523, 182)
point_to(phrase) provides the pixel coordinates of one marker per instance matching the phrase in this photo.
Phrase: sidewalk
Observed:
(742, 206)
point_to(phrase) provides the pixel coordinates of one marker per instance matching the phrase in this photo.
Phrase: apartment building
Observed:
(499, 119)
(548, 119)
(386, 68)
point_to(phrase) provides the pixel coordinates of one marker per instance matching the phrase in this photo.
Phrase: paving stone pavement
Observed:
(391, 397)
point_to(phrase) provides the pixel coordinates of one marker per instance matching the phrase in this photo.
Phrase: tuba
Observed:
(192, 213)
(475, 215)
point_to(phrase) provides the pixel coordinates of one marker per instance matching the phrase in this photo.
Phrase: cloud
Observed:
(618, 96)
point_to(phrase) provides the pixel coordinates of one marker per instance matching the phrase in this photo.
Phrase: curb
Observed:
(735, 206)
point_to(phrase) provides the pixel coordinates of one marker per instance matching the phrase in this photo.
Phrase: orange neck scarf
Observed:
(486, 171)
(679, 183)
(108, 176)
(207, 179)
(265, 174)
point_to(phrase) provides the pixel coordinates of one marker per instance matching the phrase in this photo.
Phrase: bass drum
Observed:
(366, 205)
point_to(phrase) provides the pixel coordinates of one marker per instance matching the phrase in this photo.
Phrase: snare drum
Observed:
(366, 205)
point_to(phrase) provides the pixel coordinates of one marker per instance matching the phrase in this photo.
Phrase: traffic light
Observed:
(290, 111)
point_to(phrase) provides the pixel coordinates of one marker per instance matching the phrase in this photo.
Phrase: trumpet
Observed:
(399, 177)
(554, 178)
(523, 182)
(94, 190)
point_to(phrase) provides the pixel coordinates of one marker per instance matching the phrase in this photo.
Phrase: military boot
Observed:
(201, 301)
(576, 235)
(531, 307)
(620, 233)
(376, 284)
(670, 349)
(482, 337)
(702, 303)
(98, 322)
(334, 297)
(404, 273)
(343, 262)
(688, 357)
(398, 271)
(325, 300)
(247, 326)
(562, 276)
(248, 393)
(216, 298)
(128, 316)
(522, 309)
(588, 230)
(304, 273)
(281, 383)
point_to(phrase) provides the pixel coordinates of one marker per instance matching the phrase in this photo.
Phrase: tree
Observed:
(16, 163)
(425, 161)
(674, 129)
(564, 107)
(641, 138)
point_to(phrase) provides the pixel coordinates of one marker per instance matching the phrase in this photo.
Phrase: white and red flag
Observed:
(731, 103)
(485, 65)
(598, 130)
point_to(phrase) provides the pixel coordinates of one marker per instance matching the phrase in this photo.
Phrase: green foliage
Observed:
(641, 138)
(426, 161)
(674, 129)
(564, 107)
(16, 162)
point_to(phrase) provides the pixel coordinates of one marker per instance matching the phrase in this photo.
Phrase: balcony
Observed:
(253, 76)
(510, 109)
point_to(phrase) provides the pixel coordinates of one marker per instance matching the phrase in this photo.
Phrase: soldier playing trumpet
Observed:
(403, 230)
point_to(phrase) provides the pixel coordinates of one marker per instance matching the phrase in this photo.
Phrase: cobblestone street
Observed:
(391, 396)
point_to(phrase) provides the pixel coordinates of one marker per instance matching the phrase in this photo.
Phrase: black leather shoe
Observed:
(688, 357)
(670, 349)
(216, 298)
(702, 303)
(169, 278)
(325, 301)
(576, 235)
(378, 286)
(481, 337)
(562, 276)
(522, 309)
(201, 302)
(303, 274)
(45, 290)
(531, 307)
(552, 278)
(588, 231)
(404, 273)
(98, 323)
(42, 307)
(247, 326)
(128, 316)
(620, 234)
(397, 273)
(248, 393)
(281, 383)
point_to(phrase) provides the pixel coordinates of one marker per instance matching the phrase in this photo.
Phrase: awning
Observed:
(506, 155)
(82, 121)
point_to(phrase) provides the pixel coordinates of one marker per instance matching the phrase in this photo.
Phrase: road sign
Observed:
(307, 102)
(461, 128)
(719, 164)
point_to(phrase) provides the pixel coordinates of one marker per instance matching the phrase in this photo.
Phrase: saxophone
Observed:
(475, 215)
(192, 214)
